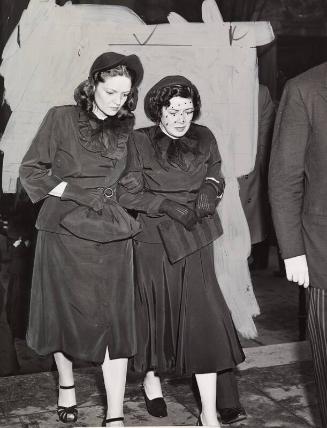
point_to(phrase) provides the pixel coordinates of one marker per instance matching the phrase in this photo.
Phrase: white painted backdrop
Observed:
(56, 47)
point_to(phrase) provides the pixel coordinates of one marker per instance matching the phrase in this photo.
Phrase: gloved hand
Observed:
(179, 212)
(208, 199)
(132, 181)
(297, 270)
(92, 198)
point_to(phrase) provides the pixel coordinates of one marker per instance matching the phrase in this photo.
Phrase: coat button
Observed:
(246, 176)
(249, 200)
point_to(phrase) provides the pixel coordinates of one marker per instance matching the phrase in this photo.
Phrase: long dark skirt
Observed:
(183, 323)
(82, 298)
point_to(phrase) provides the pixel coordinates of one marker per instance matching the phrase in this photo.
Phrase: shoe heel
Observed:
(67, 414)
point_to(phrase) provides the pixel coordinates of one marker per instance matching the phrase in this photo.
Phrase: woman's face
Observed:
(110, 95)
(177, 117)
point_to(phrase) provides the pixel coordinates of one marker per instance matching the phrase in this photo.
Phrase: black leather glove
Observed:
(92, 198)
(133, 182)
(179, 212)
(208, 198)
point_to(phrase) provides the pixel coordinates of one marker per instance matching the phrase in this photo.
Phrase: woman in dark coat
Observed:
(183, 322)
(82, 303)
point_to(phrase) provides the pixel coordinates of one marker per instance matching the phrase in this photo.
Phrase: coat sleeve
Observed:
(214, 161)
(144, 201)
(286, 173)
(35, 171)
(265, 130)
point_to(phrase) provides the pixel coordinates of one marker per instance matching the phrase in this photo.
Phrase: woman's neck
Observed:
(165, 132)
(98, 112)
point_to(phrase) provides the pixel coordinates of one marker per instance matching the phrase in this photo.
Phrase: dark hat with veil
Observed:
(165, 82)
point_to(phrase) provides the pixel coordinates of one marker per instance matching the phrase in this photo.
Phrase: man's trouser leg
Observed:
(317, 329)
(227, 390)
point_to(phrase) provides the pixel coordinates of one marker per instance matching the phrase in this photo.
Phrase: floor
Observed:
(275, 381)
(275, 396)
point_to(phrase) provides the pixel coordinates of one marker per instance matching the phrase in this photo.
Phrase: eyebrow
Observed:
(113, 90)
(173, 109)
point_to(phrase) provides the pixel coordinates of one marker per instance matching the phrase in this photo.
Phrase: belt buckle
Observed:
(108, 192)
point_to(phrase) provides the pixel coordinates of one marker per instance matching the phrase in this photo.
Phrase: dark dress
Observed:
(183, 323)
(82, 298)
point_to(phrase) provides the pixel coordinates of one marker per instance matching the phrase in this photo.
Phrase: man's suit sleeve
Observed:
(265, 131)
(286, 172)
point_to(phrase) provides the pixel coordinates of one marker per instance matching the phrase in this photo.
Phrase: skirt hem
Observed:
(73, 355)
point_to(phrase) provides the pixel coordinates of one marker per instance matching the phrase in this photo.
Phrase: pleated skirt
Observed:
(82, 298)
(183, 323)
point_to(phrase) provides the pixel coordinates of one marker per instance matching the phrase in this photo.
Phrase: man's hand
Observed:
(297, 270)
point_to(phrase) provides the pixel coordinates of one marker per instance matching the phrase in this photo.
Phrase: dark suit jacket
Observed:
(298, 172)
(164, 180)
(253, 186)
(63, 150)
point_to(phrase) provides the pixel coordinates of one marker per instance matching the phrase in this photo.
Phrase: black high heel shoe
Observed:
(156, 407)
(107, 421)
(199, 422)
(67, 414)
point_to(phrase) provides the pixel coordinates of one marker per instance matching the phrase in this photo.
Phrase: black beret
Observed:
(109, 60)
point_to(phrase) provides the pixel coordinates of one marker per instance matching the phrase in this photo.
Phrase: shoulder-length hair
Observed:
(160, 97)
(84, 93)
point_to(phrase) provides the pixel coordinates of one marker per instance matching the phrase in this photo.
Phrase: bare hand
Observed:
(297, 270)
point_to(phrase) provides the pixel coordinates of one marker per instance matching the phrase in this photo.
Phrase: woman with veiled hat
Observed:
(183, 323)
(82, 299)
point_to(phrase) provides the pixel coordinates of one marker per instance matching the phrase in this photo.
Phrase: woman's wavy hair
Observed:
(158, 98)
(84, 93)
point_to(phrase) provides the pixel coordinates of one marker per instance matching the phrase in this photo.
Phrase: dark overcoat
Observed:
(253, 186)
(298, 175)
(82, 296)
(182, 320)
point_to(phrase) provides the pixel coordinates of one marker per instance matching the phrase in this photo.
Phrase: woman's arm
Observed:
(212, 188)
(145, 200)
(35, 171)
(214, 162)
(214, 175)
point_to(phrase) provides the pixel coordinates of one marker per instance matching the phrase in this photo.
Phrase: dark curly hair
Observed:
(84, 93)
(158, 98)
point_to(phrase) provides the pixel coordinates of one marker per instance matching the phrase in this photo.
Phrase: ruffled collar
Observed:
(180, 153)
(107, 137)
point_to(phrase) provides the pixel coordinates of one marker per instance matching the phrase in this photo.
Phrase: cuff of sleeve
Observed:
(37, 195)
(289, 254)
(216, 180)
(288, 228)
(292, 247)
(218, 184)
(59, 189)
